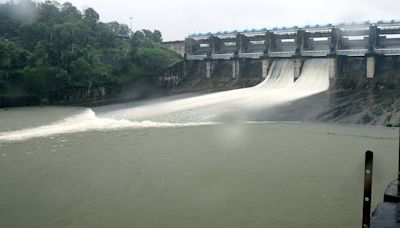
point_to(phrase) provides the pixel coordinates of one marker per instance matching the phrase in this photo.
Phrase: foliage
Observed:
(154, 59)
(51, 48)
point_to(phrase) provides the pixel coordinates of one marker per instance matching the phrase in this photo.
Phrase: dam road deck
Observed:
(319, 41)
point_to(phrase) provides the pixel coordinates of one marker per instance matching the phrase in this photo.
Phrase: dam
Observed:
(251, 52)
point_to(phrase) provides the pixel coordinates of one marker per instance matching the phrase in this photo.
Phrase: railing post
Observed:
(367, 189)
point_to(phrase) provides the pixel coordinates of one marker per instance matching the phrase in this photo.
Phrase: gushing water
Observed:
(277, 88)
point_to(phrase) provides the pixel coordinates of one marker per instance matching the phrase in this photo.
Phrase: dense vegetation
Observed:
(56, 52)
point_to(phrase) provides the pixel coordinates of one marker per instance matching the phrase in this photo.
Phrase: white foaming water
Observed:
(281, 75)
(278, 87)
(315, 76)
(313, 79)
(86, 121)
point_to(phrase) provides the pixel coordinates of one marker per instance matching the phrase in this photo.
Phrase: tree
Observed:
(153, 36)
(40, 55)
(12, 15)
(81, 72)
(31, 33)
(70, 13)
(35, 80)
(91, 16)
(154, 59)
(157, 36)
(12, 58)
(106, 35)
(136, 38)
(49, 12)
(120, 29)
(36, 73)
(52, 50)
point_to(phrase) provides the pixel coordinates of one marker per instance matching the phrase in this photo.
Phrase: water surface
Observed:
(227, 175)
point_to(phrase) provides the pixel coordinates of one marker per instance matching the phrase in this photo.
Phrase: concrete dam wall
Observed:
(361, 55)
(362, 63)
(345, 73)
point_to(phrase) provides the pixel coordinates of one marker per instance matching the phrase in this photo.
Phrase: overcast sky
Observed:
(178, 18)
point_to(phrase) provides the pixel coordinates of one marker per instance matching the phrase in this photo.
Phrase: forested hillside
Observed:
(53, 52)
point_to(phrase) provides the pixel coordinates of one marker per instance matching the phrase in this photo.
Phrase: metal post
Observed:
(367, 189)
(398, 169)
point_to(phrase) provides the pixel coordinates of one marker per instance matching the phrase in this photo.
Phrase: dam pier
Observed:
(251, 52)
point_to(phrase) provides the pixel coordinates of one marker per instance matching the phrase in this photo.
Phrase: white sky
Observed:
(178, 18)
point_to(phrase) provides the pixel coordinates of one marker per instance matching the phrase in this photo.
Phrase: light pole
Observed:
(131, 23)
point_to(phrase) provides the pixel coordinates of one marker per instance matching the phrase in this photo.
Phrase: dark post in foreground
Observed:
(398, 169)
(367, 189)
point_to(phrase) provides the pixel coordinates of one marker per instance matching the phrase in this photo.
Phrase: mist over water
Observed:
(279, 87)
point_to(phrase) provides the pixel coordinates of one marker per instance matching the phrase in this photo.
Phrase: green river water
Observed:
(226, 175)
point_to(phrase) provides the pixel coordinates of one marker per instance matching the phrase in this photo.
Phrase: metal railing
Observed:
(222, 56)
(282, 54)
(388, 51)
(352, 52)
(196, 57)
(315, 53)
(251, 55)
(287, 54)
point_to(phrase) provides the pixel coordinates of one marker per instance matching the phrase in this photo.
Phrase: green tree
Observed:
(91, 16)
(106, 36)
(70, 13)
(81, 72)
(31, 33)
(154, 59)
(36, 73)
(12, 58)
(35, 80)
(49, 12)
(50, 50)
(153, 36)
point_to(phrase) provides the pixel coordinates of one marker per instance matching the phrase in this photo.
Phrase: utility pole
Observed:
(131, 23)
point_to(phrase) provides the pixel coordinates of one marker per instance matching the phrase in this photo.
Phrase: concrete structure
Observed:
(176, 46)
(333, 68)
(235, 68)
(366, 40)
(370, 66)
(265, 64)
(209, 68)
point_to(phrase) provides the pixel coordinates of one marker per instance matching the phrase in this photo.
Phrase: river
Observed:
(259, 174)
(200, 161)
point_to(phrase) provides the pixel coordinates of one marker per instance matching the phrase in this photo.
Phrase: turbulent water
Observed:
(278, 87)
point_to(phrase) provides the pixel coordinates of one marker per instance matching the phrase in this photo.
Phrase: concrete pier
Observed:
(209, 68)
(298, 65)
(333, 68)
(265, 63)
(235, 68)
(371, 66)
